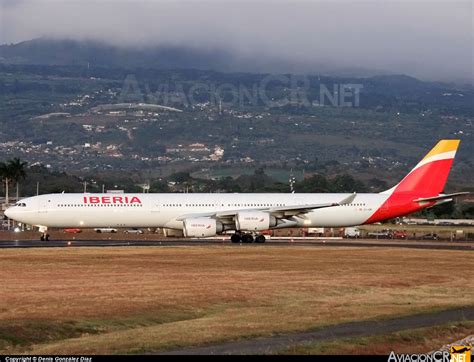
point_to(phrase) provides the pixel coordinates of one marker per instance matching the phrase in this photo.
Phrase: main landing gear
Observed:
(247, 238)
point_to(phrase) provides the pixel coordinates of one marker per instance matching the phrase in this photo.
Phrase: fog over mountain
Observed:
(427, 39)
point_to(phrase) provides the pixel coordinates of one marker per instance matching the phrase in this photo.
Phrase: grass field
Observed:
(133, 300)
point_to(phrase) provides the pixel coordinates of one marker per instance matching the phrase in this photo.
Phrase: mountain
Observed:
(72, 52)
(44, 51)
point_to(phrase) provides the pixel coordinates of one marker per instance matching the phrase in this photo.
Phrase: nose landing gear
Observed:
(44, 237)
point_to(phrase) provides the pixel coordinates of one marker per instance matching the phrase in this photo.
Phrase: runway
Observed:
(440, 245)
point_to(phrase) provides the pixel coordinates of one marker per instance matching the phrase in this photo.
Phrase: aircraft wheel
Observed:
(247, 238)
(235, 238)
(260, 238)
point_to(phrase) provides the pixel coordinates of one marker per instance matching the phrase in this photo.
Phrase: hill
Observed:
(94, 53)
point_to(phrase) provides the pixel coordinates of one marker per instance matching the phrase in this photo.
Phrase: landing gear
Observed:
(44, 237)
(44, 233)
(247, 238)
(236, 238)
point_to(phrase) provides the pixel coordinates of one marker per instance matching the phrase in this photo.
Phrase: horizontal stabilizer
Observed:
(441, 197)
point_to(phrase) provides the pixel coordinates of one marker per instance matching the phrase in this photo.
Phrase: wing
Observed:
(280, 212)
(302, 209)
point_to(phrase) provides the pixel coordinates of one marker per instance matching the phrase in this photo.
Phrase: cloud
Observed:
(427, 39)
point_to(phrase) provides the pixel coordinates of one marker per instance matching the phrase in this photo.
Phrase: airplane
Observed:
(199, 215)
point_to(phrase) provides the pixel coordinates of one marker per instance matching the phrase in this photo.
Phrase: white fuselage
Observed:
(165, 210)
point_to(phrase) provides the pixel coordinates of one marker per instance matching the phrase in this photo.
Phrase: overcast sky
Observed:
(427, 39)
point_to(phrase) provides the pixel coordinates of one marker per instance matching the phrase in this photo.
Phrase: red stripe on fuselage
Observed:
(425, 181)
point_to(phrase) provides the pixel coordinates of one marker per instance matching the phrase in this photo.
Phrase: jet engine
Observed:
(254, 221)
(201, 227)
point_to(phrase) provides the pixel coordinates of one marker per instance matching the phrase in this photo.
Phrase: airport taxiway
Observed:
(69, 242)
(275, 344)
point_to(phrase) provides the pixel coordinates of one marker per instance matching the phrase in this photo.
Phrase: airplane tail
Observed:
(430, 175)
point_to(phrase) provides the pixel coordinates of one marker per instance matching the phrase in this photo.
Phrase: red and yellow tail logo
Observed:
(443, 149)
(427, 179)
(430, 175)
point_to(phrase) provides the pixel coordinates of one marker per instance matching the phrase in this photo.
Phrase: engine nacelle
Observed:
(201, 227)
(254, 221)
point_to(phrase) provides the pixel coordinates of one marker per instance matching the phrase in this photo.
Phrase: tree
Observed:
(315, 183)
(5, 173)
(16, 170)
(180, 177)
(346, 183)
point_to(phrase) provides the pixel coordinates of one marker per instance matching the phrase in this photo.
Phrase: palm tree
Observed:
(17, 172)
(6, 175)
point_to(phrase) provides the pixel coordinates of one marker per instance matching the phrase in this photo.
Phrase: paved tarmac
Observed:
(276, 344)
(70, 242)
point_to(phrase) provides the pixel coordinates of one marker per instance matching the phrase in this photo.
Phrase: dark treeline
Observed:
(42, 180)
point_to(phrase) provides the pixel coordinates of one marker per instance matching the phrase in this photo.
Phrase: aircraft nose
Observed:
(9, 213)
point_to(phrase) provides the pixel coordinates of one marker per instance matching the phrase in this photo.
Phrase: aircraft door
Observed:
(155, 206)
(44, 205)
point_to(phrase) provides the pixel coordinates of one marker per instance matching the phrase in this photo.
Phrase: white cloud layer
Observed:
(428, 39)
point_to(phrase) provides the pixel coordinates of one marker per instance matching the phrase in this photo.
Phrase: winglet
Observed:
(348, 200)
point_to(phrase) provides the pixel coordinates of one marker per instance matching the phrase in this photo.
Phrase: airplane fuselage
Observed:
(163, 210)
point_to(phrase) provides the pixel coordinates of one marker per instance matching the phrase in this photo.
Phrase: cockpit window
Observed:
(20, 204)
